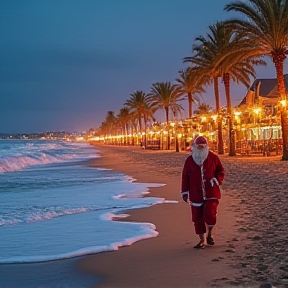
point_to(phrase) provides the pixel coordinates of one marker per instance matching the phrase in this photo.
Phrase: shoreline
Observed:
(168, 260)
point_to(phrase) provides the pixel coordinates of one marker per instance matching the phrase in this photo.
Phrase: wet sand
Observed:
(251, 235)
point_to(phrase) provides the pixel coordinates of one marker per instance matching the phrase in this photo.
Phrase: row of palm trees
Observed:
(230, 50)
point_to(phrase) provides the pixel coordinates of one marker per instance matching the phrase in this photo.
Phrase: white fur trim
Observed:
(214, 180)
(196, 204)
(185, 193)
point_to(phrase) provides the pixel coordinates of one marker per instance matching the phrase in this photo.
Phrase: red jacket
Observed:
(192, 180)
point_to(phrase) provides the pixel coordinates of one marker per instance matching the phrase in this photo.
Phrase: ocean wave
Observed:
(148, 230)
(21, 155)
(36, 214)
(18, 162)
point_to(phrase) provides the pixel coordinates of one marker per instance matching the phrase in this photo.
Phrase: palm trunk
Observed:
(231, 132)
(145, 139)
(219, 118)
(284, 125)
(140, 123)
(167, 123)
(177, 143)
(190, 102)
(278, 61)
(140, 128)
(134, 130)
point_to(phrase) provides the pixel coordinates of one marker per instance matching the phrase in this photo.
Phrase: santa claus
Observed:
(202, 175)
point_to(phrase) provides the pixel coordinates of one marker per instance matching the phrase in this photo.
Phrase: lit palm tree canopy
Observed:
(191, 84)
(203, 108)
(139, 105)
(225, 52)
(164, 95)
(267, 26)
(109, 124)
(124, 118)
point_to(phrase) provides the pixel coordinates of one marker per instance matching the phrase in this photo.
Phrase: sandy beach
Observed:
(251, 234)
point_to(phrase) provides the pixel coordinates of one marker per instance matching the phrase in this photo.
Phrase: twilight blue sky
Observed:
(65, 63)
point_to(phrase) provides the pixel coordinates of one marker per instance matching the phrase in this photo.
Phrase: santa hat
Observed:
(200, 140)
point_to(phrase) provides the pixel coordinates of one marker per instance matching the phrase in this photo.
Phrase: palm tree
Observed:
(225, 54)
(203, 108)
(139, 105)
(205, 59)
(164, 95)
(124, 118)
(190, 84)
(108, 126)
(266, 24)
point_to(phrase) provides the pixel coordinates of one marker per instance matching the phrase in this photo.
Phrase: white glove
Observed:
(214, 180)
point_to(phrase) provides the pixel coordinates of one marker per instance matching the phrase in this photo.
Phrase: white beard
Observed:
(200, 155)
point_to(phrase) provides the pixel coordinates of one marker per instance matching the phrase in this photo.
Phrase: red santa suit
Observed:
(201, 183)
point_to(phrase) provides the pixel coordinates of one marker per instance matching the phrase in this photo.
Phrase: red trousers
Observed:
(206, 213)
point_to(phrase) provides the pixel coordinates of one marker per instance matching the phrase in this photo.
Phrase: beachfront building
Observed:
(258, 121)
